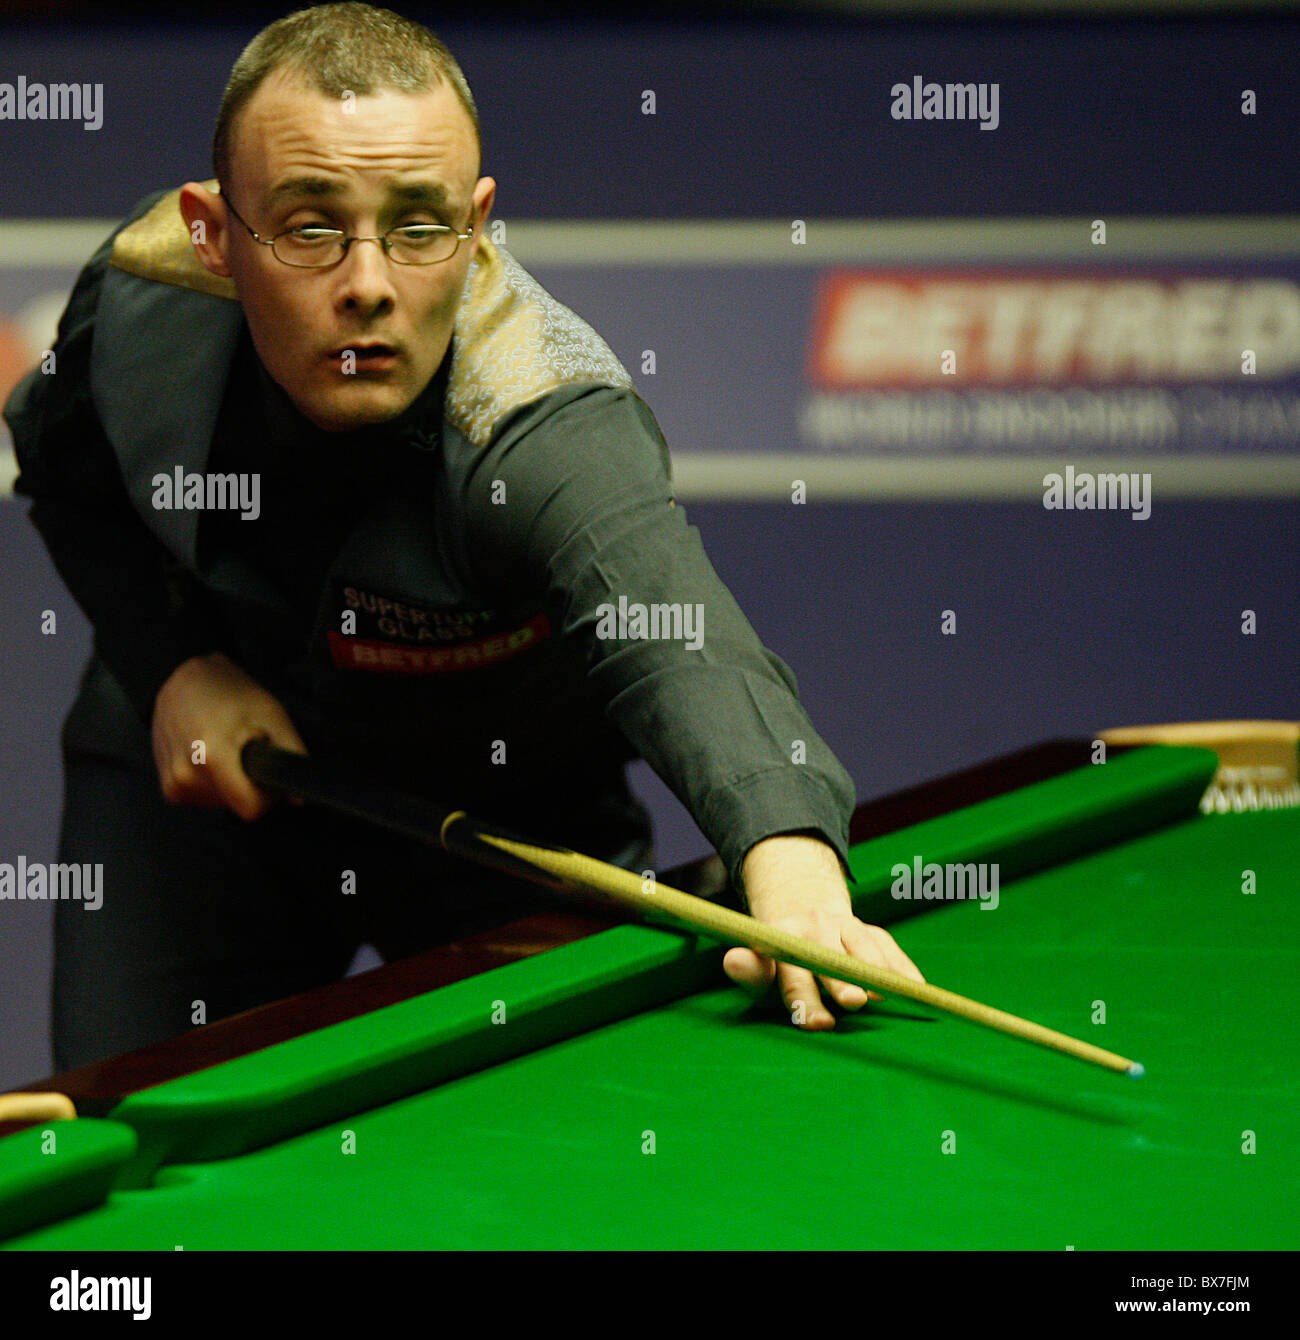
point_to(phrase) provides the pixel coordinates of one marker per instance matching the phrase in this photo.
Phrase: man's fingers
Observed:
(803, 1002)
(750, 971)
(847, 995)
(875, 945)
(217, 782)
(237, 790)
(192, 784)
(799, 987)
(220, 781)
(210, 701)
(756, 972)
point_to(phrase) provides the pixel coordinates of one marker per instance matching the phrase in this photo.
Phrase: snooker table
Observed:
(615, 1091)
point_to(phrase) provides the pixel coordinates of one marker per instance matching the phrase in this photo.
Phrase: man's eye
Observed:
(313, 232)
(420, 232)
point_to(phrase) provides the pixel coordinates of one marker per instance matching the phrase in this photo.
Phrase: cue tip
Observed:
(1136, 1070)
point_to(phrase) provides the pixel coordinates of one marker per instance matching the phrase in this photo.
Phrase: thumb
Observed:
(749, 970)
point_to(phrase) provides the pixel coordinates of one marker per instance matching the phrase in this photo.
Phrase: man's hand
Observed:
(209, 699)
(796, 883)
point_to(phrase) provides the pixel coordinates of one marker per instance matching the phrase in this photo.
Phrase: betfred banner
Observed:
(959, 359)
(924, 359)
(1021, 359)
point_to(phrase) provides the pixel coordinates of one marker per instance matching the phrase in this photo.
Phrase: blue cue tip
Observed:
(1136, 1070)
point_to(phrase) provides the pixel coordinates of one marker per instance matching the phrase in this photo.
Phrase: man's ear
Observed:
(484, 193)
(206, 218)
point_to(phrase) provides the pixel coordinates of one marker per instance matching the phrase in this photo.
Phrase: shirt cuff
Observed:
(788, 799)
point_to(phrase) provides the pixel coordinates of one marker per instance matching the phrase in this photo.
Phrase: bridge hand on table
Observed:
(795, 883)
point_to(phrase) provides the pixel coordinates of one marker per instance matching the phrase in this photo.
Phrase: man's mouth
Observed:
(365, 356)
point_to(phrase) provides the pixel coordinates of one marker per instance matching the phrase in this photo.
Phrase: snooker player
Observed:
(323, 464)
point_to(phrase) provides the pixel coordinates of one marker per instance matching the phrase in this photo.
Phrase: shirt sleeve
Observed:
(149, 613)
(573, 498)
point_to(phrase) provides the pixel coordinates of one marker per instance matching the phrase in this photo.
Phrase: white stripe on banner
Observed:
(770, 478)
(35, 244)
(674, 242)
(671, 242)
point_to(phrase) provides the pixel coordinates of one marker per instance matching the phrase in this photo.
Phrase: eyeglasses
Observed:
(313, 247)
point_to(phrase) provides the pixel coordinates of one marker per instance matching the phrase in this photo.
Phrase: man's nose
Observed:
(366, 272)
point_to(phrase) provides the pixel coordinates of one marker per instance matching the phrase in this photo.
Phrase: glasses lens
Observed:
(310, 247)
(422, 245)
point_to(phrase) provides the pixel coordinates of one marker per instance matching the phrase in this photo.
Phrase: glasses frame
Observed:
(384, 240)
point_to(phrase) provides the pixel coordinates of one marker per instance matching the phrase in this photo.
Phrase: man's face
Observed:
(299, 157)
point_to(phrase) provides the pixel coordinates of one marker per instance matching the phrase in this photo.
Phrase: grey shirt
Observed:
(576, 621)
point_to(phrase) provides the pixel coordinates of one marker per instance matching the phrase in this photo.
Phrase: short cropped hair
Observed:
(336, 49)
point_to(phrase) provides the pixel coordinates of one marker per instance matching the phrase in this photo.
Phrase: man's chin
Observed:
(360, 406)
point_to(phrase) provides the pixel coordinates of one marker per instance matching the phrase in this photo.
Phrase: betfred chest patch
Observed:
(385, 634)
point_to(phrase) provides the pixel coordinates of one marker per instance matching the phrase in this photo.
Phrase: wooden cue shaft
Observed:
(736, 928)
(300, 775)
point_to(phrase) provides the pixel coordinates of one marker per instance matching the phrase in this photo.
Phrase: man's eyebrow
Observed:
(309, 186)
(428, 193)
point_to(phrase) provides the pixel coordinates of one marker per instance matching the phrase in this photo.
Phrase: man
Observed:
(324, 465)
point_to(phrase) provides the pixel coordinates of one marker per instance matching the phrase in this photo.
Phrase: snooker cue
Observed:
(571, 872)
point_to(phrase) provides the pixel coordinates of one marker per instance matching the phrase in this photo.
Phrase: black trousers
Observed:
(205, 915)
